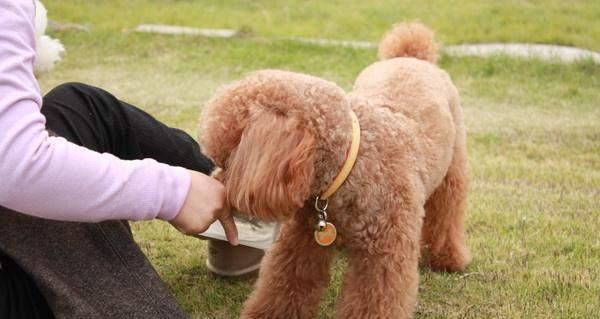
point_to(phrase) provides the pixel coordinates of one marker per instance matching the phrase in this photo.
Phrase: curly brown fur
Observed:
(409, 40)
(282, 137)
(278, 178)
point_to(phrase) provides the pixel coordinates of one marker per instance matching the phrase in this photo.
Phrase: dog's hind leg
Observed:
(292, 277)
(443, 234)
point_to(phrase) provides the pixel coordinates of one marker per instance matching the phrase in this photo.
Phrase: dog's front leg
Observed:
(381, 281)
(292, 277)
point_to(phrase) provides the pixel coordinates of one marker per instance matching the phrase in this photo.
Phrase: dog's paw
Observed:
(454, 259)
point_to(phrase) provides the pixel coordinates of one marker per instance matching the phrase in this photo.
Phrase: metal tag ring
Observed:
(323, 215)
(320, 208)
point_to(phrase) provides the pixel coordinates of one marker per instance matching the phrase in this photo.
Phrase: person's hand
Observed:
(205, 203)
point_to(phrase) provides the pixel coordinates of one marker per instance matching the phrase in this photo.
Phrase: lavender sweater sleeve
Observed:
(51, 178)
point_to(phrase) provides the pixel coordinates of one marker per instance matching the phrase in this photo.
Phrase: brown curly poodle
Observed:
(282, 137)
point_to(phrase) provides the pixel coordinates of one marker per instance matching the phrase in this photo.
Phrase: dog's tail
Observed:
(409, 40)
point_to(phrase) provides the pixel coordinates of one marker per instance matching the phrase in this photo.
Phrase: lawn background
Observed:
(534, 131)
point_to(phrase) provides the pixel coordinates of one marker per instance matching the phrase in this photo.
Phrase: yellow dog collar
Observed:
(325, 232)
(350, 160)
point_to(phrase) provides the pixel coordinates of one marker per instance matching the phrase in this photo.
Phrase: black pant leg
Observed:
(96, 119)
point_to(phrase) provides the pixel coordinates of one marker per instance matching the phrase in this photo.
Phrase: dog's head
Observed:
(279, 137)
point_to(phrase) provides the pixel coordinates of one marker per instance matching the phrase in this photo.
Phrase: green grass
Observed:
(534, 134)
(560, 22)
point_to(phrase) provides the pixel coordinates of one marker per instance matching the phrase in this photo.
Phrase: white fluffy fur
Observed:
(48, 50)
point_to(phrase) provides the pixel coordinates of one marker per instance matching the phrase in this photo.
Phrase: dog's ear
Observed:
(269, 173)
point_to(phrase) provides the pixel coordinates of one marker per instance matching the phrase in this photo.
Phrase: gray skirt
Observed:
(86, 270)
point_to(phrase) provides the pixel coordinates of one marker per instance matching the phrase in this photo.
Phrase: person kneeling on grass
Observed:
(66, 249)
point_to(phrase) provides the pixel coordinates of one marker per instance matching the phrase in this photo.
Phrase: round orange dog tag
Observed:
(326, 236)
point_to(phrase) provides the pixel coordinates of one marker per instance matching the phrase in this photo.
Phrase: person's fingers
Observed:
(231, 231)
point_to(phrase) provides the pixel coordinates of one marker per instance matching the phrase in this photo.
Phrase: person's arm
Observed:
(51, 178)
